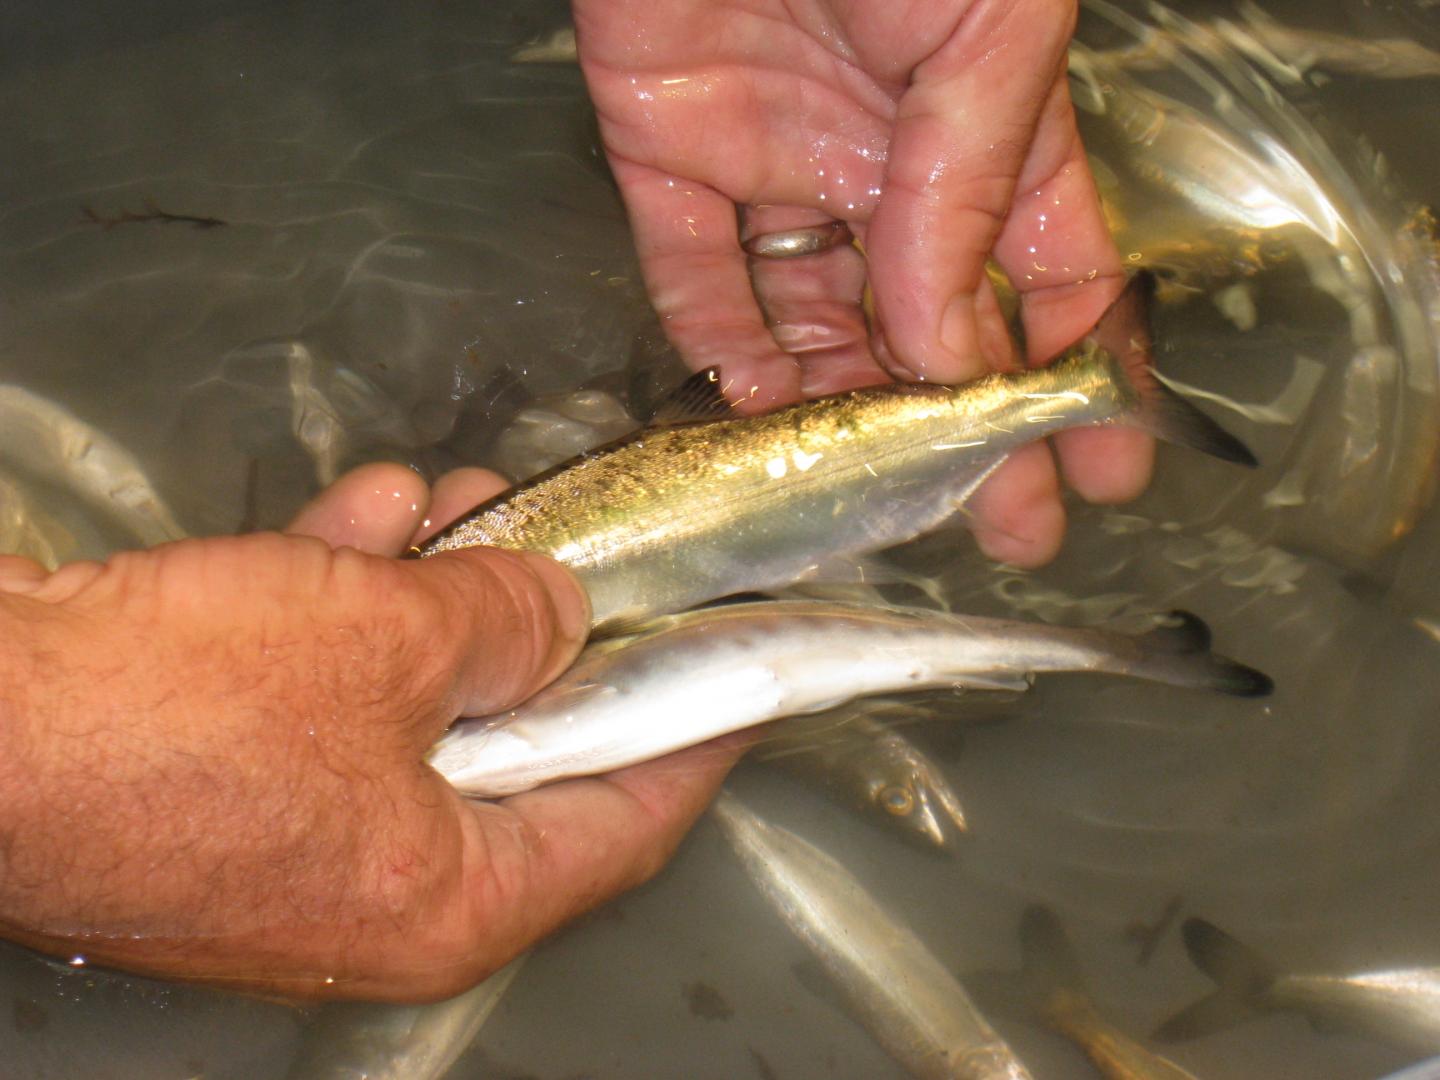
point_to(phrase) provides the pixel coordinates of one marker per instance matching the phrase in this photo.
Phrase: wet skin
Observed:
(939, 132)
(211, 756)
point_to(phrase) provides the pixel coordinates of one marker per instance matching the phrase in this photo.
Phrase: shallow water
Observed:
(423, 258)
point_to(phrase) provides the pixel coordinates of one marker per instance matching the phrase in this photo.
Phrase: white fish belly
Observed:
(692, 690)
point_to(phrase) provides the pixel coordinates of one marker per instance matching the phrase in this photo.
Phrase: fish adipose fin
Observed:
(1178, 652)
(1242, 979)
(1123, 333)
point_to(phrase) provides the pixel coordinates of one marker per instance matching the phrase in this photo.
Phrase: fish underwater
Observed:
(1056, 992)
(891, 982)
(27, 529)
(856, 755)
(1288, 53)
(1400, 1006)
(355, 1041)
(691, 677)
(690, 509)
(556, 47)
(48, 441)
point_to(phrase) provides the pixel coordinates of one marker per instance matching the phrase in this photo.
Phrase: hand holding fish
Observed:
(211, 756)
(939, 133)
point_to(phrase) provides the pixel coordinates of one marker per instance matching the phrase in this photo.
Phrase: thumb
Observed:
(508, 622)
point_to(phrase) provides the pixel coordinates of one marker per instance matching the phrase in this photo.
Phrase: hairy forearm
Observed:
(21, 644)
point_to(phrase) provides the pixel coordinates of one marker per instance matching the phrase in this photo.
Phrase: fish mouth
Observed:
(937, 827)
(928, 825)
(950, 804)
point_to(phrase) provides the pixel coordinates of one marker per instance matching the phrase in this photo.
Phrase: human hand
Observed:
(917, 122)
(211, 756)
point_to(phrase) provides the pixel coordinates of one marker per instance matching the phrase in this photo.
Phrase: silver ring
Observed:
(793, 243)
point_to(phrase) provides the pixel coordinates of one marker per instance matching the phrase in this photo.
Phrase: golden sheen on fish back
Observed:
(692, 509)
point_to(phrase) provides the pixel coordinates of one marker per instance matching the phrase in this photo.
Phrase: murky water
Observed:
(422, 259)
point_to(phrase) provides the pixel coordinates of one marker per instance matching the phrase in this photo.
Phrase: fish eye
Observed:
(897, 800)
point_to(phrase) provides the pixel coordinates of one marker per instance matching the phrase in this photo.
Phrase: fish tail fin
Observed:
(1178, 652)
(1048, 959)
(1125, 341)
(1048, 985)
(1242, 977)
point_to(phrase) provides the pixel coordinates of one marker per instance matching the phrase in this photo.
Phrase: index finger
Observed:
(988, 158)
(1057, 250)
(965, 131)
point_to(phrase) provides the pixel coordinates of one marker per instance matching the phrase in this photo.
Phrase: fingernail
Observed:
(20, 575)
(892, 364)
(957, 326)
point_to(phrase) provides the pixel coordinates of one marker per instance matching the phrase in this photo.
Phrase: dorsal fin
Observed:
(700, 397)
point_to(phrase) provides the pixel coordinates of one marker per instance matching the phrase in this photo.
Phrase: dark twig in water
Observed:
(150, 213)
(1148, 935)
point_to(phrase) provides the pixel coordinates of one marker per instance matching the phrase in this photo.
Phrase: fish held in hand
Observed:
(1400, 1006)
(694, 676)
(705, 503)
(891, 982)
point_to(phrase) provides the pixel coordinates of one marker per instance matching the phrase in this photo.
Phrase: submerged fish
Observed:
(354, 1041)
(859, 759)
(691, 677)
(1286, 52)
(556, 47)
(1400, 1006)
(902, 995)
(27, 529)
(684, 512)
(53, 444)
(1057, 994)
